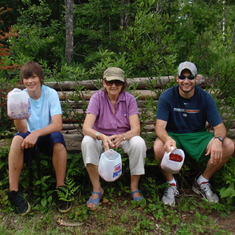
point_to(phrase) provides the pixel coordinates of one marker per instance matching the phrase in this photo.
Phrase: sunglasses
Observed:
(116, 82)
(190, 77)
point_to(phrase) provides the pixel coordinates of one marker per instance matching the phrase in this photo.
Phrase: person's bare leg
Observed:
(59, 160)
(228, 149)
(135, 185)
(95, 181)
(15, 163)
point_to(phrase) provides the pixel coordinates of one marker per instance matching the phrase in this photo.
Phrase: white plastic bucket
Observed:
(110, 165)
(172, 166)
(18, 104)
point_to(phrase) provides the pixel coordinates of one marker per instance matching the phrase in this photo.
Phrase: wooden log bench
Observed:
(74, 97)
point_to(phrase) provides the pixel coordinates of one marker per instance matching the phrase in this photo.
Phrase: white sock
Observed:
(201, 179)
(172, 181)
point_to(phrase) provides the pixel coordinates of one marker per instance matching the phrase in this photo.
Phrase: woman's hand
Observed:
(107, 142)
(116, 140)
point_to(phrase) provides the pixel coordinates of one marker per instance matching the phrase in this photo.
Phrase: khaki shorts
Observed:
(193, 143)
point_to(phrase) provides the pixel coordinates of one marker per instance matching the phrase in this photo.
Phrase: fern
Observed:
(66, 193)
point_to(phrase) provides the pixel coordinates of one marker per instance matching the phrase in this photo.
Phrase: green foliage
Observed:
(79, 213)
(67, 193)
(228, 191)
(3, 174)
(195, 20)
(93, 32)
(35, 13)
(144, 224)
(36, 42)
(39, 36)
(6, 124)
(153, 38)
(148, 43)
(222, 82)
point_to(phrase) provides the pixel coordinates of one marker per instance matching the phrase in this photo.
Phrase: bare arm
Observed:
(115, 140)
(134, 127)
(88, 124)
(161, 133)
(220, 130)
(214, 148)
(56, 125)
(88, 130)
(21, 125)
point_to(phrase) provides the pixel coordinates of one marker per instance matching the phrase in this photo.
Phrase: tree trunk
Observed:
(224, 22)
(69, 30)
(125, 16)
(233, 38)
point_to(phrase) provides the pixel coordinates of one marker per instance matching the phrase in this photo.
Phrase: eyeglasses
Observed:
(116, 82)
(190, 77)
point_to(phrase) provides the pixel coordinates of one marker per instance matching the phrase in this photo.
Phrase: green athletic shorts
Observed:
(193, 143)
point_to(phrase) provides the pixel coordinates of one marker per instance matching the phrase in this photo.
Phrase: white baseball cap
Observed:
(187, 65)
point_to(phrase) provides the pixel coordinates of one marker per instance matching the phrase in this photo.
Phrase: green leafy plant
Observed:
(228, 192)
(3, 176)
(67, 193)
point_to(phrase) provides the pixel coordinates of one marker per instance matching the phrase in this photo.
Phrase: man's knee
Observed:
(228, 148)
(158, 150)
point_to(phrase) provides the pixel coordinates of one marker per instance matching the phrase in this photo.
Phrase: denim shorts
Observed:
(193, 143)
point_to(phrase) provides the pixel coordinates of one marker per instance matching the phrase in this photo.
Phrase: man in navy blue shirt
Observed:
(182, 113)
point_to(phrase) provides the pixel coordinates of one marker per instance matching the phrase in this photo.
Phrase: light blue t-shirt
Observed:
(43, 109)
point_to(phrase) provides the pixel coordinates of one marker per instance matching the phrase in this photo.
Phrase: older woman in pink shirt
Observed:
(111, 121)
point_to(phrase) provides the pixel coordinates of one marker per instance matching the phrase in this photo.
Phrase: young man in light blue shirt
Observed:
(42, 128)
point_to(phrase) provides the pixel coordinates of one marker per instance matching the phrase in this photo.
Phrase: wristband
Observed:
(97, 134)
(124, 138)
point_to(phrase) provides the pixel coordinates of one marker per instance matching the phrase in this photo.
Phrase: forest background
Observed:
(77, 40)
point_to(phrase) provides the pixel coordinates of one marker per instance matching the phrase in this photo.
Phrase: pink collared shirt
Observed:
(107, 122)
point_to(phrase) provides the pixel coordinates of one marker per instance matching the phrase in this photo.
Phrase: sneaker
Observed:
(19, 203)
(63, 201)
(205, 190)
(169, 195)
